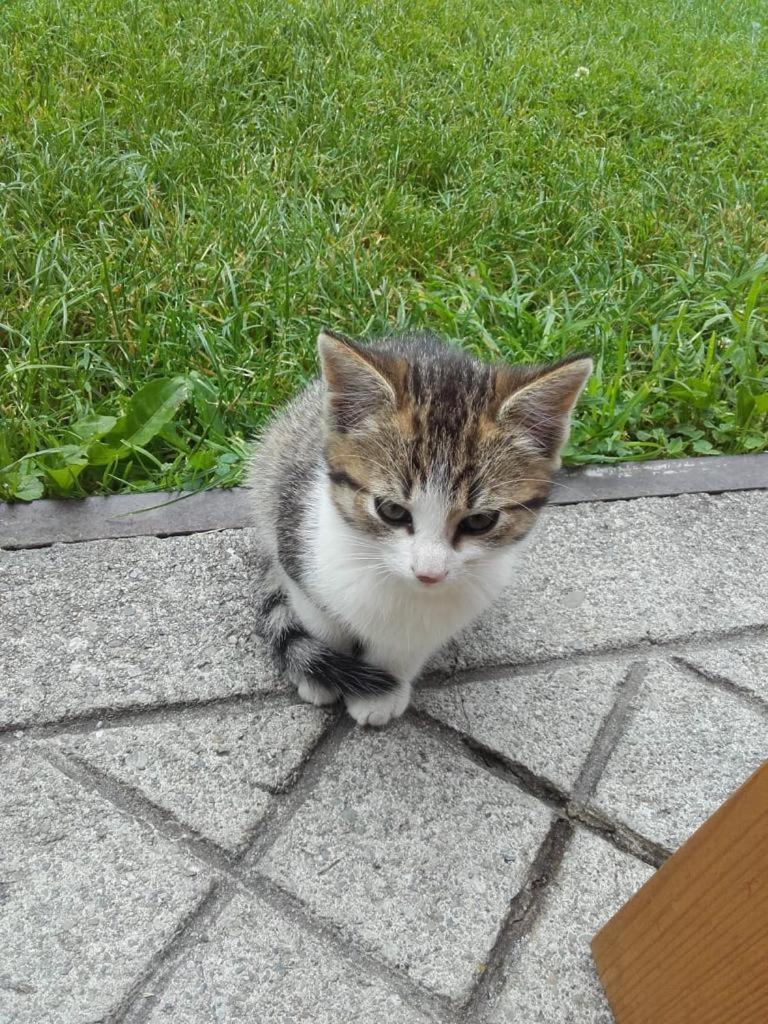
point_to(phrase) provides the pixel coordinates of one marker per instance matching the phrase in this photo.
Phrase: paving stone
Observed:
(87, 896)
(606, 574)
(209, 768)
(551, 978)
(743, 662)
(256, 966)
(687, 748)
(411, 851)
(546, 721)
(128, 622)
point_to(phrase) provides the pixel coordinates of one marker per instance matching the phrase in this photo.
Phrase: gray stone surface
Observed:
(688, 747)
(545, 720)
(743, 662)
(209, 768)
(86, 896)
(393, 863)
(551, 979)
(126, 623)
(609, 574)
(413, 852)
(254, 967)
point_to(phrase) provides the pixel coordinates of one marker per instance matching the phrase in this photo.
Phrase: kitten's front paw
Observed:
(379, 710)
(314, 693)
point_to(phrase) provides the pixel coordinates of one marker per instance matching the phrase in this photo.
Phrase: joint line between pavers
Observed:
(292, 908)
(292, 794)
(145, 714)
(491, 761)
(613, 727)
(649, 648)
(240, 870)
(139, 1000)
(523, 912)
(287, 804)
(742, 693)
(132, 803)
(620, 835)
(519, 775)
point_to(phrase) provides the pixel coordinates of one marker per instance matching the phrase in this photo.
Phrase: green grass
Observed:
(189, 189)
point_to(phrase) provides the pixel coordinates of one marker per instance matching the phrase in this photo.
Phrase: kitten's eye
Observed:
(392, 513)
(479, 522)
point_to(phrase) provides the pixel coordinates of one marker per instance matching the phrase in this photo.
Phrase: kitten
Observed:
(393, 498)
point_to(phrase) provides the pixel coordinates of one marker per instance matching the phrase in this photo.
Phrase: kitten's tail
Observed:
(296, 651)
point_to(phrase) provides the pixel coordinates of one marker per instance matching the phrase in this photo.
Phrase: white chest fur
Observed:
(401, 621)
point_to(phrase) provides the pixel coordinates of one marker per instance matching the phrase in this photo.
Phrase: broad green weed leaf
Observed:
(202, 460)
(753, 442)
(148, 411)
(703, 447)
(66, 478)
(29, 488)
(93, 427)
(745, 404)
(100, 454)
(64, 465)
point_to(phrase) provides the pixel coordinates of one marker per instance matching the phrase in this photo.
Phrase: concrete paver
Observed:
(255, 966)
(688, 747)
(413, 852)
(87, 895)
(212, 770)
(552, 979)
(392, 873)
(545, 720)
(128, 623)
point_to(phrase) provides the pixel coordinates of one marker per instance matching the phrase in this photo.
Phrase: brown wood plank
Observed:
(691, 947)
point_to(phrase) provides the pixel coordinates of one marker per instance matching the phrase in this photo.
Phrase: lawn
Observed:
(191, 188)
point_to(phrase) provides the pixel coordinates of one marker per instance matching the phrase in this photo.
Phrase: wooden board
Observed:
(691, 947)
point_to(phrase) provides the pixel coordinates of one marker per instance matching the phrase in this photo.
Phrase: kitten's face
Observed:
(438, 462)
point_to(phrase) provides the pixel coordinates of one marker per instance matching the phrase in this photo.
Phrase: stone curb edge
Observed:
(165, 514)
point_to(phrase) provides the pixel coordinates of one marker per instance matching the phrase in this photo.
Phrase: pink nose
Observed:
(430, 578)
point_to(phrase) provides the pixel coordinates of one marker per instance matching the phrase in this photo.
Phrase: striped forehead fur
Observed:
(438, 429)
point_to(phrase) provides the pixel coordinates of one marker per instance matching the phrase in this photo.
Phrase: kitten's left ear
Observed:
(540, 407)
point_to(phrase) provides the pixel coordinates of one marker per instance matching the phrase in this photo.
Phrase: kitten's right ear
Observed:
(358, 380)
